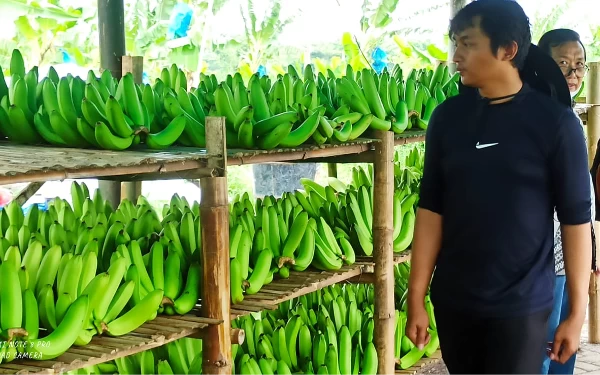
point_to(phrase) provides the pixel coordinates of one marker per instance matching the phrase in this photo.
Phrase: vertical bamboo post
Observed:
(111, 191)
(111, 32)
(135, 66)
(455, 6)
(214, 211)
(28, 192)
(332, 169)
(383, 228)
(593, 133)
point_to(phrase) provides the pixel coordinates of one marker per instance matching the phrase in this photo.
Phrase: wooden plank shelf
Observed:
(422, 364)
(411, 136)
(368, 263)
(152, 334)
(298, 284)
(22, 163)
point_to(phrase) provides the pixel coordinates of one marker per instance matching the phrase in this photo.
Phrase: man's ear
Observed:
(507, 53)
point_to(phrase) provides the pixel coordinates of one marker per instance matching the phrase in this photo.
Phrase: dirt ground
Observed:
(438, 368)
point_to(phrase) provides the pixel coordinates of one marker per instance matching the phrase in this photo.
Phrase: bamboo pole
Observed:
(214, 211)
(455, 6)
(111, 31)
(332, 169)
(593, 134)
(383, 228)
(134, 65)
(28, 192)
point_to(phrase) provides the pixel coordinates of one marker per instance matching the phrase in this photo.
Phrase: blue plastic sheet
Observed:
(66, 57)
(262, 71)
(180, 21)
(379, 60)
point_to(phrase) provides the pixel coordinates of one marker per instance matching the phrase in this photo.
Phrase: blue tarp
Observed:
(379, 59)
(180, 21)
(66, 57)
(262, 71)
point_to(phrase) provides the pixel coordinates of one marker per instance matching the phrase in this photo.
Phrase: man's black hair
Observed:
(503, 21)
(558, 37)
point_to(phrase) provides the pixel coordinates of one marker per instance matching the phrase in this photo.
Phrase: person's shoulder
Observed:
(549, 109)
(452, 107)
(455, 103)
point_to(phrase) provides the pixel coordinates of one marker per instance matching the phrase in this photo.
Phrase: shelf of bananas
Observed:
(293, 110)
(181, 357)
(330, 331)
(325, 227)
(77, 271)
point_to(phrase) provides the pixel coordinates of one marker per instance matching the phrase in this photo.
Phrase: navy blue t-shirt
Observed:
(495, 172)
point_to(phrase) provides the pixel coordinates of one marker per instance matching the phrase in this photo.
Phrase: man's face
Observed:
(475, 61)
(570, 57)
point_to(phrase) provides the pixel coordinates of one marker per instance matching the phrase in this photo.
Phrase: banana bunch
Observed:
(275, 236)
(406, 353)
(19, 102)
(408, 168)
(386, 101)
(322, 332)
(174, 100)
(183, 356)
(291, 110)
(23, 310)
(348, 209)
(65, 280)
(330, 331)
(326, 332)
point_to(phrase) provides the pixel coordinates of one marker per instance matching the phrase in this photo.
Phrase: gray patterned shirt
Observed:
(559, 263)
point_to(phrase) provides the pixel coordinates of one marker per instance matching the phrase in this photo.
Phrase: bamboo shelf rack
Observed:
(40, 163)
(298, 284)
(20, 163)
(157, 332)
(423, 362)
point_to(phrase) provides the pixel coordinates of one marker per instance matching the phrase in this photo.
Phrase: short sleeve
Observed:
(431, 191)
(570, 173)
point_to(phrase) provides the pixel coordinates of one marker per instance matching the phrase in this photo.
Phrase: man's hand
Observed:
(566, 340)
(417, 324)
(425, 249)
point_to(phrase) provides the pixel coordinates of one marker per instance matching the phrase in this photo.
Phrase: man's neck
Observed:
(508, 84)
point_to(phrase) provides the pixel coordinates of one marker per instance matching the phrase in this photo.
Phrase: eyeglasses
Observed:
(579, 71)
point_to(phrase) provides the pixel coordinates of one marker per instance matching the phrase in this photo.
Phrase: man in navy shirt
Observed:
(499, 158)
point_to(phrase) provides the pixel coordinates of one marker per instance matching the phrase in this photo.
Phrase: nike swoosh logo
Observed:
(479, 147)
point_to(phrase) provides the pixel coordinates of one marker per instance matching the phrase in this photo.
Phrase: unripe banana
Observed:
(137, 316)
(65, 334)
(191, 292)
(11, 303)
(173, 276)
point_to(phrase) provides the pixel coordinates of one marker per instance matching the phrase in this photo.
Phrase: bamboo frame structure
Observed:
(383, 228)
(593, 134)
(211, 165)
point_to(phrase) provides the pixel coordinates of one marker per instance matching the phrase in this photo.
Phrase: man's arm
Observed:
(593, 172)
(426, 246)
(427, 234)
(577, 244)
(570, 174)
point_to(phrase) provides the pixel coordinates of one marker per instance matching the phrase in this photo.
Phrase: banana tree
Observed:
(546, 20)
(377, 15)
(189, 53)
(146, 24)
(43, 38)
(38, 29)
(259, 38)
(419, 55)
